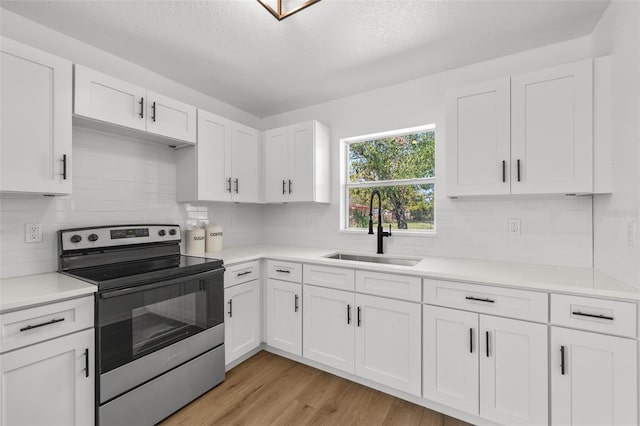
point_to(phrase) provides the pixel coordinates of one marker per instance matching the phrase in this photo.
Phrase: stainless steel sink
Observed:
(404, 261)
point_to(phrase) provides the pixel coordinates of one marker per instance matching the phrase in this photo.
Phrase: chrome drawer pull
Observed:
(480, 300)
(31, 327)
(592, 315)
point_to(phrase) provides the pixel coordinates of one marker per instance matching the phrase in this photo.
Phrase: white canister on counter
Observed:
(214, 238)
(195, 241)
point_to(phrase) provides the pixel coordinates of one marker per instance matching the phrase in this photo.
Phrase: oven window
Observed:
(137, 323)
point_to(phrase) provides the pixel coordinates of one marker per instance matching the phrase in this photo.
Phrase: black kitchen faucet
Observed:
(381, 233)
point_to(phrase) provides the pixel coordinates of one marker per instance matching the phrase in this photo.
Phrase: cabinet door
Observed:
(276, 165)
(171, 118)
(213, 158)
(513, 371)
(284, 316)
(551, 130)
(105, 98)
(450, 351)
(478, 139)
(598, 384)
(388, 342)
(245, 167)
(48, 383)
(329, 327)
(301, 162)
(242, 323)
(35, 120)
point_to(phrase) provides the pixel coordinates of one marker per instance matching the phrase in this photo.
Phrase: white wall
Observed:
(618, 34)
(555, 231)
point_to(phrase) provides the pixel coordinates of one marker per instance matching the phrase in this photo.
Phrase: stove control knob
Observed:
(162, 232)
(76, 238)
(172, 232)
(93, 237)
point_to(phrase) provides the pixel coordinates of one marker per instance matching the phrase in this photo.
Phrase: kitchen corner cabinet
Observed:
(35, 135)
(242, 322)
(527, 134)
(223, 166)
(284, 316)
(98, 96)
(296, 163)
(47, 371)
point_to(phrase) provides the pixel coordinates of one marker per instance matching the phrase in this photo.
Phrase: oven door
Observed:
(137, 322)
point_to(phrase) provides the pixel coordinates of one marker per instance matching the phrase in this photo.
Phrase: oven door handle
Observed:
(158, 284)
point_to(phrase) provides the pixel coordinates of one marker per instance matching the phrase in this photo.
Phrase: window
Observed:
(401, 165)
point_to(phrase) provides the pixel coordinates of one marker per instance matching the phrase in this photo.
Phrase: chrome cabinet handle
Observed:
(31, 327)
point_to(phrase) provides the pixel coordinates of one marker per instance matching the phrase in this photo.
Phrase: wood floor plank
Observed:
(271, 390)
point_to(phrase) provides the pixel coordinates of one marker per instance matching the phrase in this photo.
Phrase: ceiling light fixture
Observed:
(279, 14)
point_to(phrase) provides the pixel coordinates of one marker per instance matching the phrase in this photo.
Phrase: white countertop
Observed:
(582, 281)
(23, 292)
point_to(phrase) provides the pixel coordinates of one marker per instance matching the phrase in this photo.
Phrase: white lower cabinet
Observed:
(593, 379)
(484, 365)
(329, 327)
(284, 315)
(49, 383)
(242, 321)
(388, 342)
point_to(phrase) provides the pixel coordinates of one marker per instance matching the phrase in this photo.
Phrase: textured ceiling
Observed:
(235, 51)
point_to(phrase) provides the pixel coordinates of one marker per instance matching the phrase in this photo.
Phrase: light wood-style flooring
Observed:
(271, 390)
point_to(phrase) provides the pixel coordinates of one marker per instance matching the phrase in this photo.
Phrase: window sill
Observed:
(396, 233)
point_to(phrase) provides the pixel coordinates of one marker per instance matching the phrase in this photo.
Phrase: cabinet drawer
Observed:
(327, 276)
(522, 304)
(241, 273)
(33, 325)
(388, 285)
(286, 271)
(605, 316)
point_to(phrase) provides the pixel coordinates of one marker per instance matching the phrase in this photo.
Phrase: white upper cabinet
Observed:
(478, 135)
(223, 166)
(297, 163)
(170, 118)
(102, 97)
(530, 133)
(552, 130)
(109, 100)
(35, 126)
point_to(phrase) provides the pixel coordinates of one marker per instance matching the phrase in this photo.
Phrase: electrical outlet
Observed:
(514, 226)
(308, 223)
(32, 233)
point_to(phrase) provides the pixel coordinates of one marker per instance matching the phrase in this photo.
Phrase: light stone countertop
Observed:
(22, 292)
(31, 290)
(580, 281)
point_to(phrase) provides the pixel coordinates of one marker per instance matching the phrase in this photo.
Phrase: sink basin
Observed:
(404, 261)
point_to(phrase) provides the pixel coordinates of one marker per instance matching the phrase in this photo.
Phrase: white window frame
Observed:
(345, 185)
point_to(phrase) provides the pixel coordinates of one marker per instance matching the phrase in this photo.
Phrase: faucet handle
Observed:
(389, 229)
